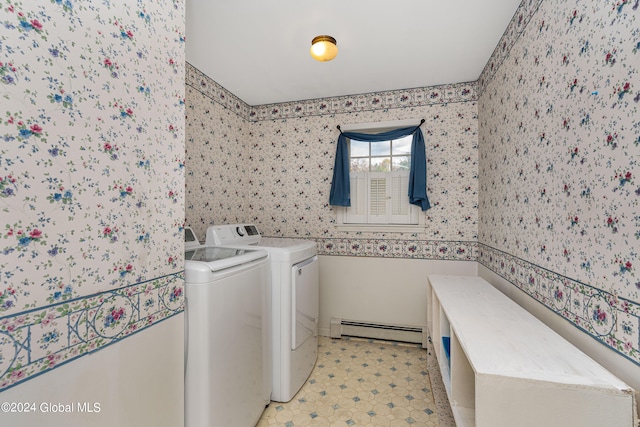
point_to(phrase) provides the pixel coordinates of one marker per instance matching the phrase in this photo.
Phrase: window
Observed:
(371, 187)
(379, 178)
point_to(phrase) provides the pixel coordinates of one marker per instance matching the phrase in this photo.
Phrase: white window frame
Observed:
(345, 215)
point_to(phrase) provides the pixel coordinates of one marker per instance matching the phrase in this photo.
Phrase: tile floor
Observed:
(360, 382)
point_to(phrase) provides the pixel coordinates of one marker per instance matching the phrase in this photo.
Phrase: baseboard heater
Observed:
(381, 331)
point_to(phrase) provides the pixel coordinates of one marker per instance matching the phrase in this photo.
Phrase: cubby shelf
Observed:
(503, 367)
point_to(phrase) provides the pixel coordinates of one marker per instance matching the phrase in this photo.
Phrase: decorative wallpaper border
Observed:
(516, 26)
(443, 94)
(400, 248)
(613, 321)
(36, 341)
(208, 87)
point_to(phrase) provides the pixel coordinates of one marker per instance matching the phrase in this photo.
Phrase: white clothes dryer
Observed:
(295, 296)
(227, 364)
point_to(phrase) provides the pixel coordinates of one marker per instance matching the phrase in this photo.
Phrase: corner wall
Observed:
(272, 166)
(91, 203)
(559, 143)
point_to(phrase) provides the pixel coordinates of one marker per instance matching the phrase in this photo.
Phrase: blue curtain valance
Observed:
(340, 186)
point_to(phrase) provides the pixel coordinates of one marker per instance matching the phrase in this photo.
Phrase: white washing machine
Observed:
(295, 289)
(227, 364)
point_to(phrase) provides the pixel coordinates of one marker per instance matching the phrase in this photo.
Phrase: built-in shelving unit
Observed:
(503, 367)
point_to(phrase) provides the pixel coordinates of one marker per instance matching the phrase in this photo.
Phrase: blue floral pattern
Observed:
(91, 177)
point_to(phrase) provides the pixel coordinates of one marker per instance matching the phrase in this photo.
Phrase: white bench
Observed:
(504, 368)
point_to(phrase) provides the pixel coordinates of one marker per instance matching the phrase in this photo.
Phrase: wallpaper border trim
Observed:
(43, 338)
(611, 320)
(399, 248)
(443, 94)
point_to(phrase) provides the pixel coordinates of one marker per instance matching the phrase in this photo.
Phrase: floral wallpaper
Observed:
(91, 177)
(532, 169)
(272, 165)
(559, 145)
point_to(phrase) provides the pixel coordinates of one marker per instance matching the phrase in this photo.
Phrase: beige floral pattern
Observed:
(531, 169)
(276, 171)
(559, 144)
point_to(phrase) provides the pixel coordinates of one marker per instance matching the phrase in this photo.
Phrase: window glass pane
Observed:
(402, 146)
(401, 163)
(380, 164)
(382, 148)
(359, 165)
(359, 148)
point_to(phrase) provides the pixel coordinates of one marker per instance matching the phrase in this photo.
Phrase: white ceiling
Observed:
(259, 49)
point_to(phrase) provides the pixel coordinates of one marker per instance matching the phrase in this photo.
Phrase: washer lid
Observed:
(217, 258)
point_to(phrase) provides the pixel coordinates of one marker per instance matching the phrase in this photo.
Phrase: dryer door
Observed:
(305, 298)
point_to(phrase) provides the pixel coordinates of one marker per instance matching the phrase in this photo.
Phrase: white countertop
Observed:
(490, 327)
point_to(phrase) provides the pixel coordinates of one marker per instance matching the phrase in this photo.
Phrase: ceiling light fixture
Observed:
(323, 48)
